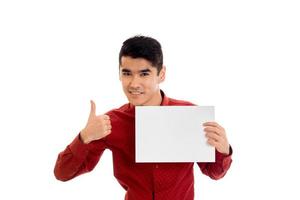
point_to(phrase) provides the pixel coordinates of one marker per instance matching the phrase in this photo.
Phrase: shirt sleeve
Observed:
(78, 158)
(219, 168)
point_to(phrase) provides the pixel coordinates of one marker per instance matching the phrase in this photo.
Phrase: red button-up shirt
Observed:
(142, 181)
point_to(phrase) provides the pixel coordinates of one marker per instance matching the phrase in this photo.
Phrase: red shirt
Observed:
(142, 181)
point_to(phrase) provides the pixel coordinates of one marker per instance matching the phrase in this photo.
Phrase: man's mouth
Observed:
(136, 92)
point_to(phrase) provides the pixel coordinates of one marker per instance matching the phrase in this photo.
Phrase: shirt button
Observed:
(156, 166)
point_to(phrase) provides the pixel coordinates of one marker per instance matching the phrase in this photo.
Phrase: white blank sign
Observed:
(172, 134)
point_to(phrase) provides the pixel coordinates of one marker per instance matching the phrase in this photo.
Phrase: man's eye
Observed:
(144, 74)
(126, 73)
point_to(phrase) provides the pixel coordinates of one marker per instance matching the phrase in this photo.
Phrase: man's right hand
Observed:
(97, 127)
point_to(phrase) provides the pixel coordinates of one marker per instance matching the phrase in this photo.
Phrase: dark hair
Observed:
(143, 47)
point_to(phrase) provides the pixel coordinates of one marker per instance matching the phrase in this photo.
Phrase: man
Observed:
(141, 70)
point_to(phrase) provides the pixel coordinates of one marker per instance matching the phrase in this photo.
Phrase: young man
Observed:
(141, 71)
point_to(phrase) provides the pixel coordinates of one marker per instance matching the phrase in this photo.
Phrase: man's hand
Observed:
(97, 127)
(216, 136)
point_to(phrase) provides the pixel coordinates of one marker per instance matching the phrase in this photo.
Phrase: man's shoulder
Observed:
(174, 102)
(122, 110)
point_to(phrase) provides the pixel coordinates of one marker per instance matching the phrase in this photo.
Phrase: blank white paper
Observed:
(172, 134)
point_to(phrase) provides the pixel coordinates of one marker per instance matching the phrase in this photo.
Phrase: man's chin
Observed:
(136, 102)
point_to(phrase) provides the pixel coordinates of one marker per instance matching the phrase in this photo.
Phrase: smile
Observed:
(135, 92)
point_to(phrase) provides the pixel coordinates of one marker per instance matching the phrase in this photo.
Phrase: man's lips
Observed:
(136, 92)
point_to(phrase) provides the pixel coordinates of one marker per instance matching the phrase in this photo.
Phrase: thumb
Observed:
(93, 109)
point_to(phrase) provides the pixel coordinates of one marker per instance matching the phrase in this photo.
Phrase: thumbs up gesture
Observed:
(97, 127)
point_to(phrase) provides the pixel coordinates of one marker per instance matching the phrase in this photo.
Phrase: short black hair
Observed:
(143, 47)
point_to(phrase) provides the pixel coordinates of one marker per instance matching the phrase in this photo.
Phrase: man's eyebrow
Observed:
(145, 70)
(126, 70)
(140, 71)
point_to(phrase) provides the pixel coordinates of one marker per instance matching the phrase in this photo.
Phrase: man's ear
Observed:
(162, 74)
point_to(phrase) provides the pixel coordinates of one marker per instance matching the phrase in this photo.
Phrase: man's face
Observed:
(140, 81)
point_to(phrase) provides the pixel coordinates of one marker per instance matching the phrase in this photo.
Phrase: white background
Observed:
(240, 56)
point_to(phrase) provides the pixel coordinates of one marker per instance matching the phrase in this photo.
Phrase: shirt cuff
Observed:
(225, 155)
(224, 158)
(78, 148)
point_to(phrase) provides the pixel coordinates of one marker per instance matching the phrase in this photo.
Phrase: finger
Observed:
(209, 124)
(218, 137)
(106, 117)
(107, 132)
(215, 124)
(214, 136)
(214, 129)
(108, 127)
(212, 142)
(211, 129)
(107, 122)
(93, 108)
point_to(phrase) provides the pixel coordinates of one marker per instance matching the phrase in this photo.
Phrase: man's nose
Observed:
(135, 81)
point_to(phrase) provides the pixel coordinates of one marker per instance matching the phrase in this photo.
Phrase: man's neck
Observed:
(158, 100)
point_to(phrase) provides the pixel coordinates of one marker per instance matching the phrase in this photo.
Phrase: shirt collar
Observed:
(165, 99)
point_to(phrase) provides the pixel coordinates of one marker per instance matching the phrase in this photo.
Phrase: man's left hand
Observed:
(216, 136)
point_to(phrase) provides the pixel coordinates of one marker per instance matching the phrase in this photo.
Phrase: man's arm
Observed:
(216, 137)
(84, 152)
(219, 168)
(78, 158)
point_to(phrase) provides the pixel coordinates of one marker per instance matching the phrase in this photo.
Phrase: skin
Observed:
(216, 137)
(140, 82)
